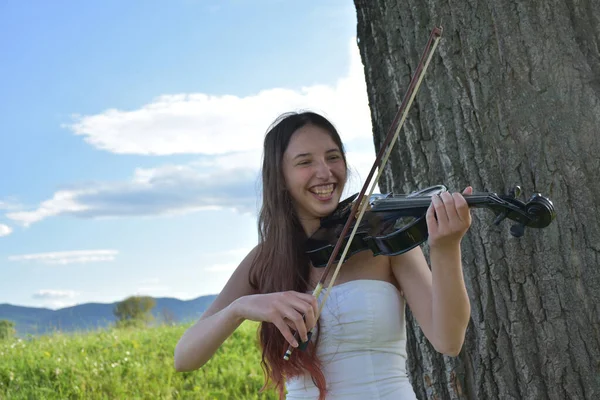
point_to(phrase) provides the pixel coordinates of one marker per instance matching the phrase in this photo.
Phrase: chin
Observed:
(323, 210)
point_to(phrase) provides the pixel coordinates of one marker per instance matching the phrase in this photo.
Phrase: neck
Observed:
(310, 224)
(473, 200)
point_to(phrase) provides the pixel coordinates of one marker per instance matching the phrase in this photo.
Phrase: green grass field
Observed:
(128, 364)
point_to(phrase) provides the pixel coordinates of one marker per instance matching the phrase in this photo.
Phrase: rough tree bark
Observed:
(512, 96)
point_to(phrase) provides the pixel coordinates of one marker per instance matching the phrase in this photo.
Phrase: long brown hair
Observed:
(281, 263)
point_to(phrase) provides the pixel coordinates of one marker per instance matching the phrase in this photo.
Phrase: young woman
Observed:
(358, 347)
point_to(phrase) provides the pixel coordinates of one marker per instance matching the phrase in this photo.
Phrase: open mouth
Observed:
(323, 192)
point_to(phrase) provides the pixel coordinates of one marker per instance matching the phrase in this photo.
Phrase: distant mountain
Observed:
(31, 320)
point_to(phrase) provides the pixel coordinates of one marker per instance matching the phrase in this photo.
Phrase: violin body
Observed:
(395, 224)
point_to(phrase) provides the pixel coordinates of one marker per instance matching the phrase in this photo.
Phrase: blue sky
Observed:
(130, 136)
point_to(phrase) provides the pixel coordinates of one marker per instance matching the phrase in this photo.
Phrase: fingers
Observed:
(449, 207)
(449, 214)
(297, 321)
(285, 331)
(440, 209)
(299, 312)
(310, 314)
(431, 220)
(296, 317)
(461, 208)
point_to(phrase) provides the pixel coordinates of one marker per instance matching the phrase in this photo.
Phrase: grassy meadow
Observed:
(127, 364)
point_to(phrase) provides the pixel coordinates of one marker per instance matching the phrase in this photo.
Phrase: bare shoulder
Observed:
(237, 286)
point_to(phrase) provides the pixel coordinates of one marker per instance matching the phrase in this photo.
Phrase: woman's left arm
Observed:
(438, 297)
(451, 307)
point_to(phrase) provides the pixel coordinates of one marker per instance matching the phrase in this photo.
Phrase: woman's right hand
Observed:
(284, 309)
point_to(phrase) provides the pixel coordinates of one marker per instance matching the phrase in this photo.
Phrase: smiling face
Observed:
(315, 174)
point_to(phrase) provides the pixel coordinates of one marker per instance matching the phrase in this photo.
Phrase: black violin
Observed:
(395, 224)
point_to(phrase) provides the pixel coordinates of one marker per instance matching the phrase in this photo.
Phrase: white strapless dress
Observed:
(362, 345)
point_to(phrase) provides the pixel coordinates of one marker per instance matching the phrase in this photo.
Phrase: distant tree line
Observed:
(134, 311)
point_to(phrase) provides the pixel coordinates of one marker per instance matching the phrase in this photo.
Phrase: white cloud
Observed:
(52, 294)
(199, 123)
(68, 257)
(58, 304)
(5, 230)
(9, 205)
(56, 299)
(165, 190)
(227, 133)
(228, 181)
(63, 202)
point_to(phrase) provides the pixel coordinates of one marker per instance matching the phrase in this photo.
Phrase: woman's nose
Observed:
(323, 170)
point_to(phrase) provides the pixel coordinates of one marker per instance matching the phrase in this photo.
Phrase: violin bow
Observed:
(380, 161)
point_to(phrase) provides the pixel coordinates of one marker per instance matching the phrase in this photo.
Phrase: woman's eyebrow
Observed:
(309, 154)
(301, 155)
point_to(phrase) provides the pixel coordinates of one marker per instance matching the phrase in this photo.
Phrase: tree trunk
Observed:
(512, 97)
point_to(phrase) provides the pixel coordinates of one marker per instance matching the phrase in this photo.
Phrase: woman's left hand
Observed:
(448, 218)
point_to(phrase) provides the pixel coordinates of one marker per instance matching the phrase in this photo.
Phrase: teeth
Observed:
(323, 190)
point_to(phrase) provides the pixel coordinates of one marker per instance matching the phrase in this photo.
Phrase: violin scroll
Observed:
(538, 212)
(541, 210)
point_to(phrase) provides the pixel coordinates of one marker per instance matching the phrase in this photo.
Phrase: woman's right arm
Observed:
(236, 303)
(217, 323)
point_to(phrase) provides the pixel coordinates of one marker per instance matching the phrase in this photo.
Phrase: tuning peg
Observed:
(517, 230)
(500, 217)
(515, 192)
(535, 196)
